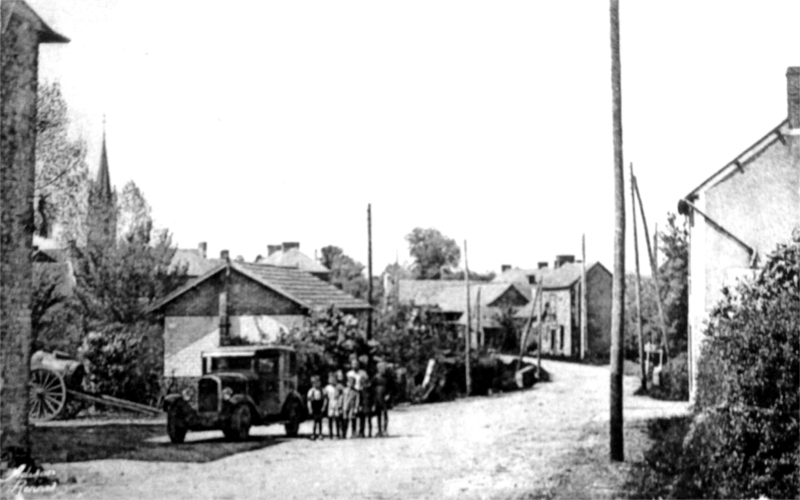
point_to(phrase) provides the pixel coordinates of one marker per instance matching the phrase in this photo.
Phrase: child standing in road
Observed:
(351, 402)
(381, 399)
(316, 401)
(332, 404)
(341, 430)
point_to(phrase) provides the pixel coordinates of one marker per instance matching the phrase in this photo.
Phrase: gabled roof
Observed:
(551, 279)
(451, 295)
(293, 257)
(741, 161)
(298, 286)
(24, 11)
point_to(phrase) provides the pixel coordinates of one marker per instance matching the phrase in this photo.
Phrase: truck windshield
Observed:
(237, 363)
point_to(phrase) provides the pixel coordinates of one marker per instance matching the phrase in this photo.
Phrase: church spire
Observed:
(103, 181)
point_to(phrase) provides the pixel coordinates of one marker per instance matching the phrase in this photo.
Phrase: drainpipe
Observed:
(684, 207)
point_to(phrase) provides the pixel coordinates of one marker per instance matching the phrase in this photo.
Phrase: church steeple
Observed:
(103, 182)
(102, 220)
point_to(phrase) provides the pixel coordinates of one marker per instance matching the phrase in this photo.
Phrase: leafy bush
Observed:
(674, 383)
(745, 442)
(124, 361)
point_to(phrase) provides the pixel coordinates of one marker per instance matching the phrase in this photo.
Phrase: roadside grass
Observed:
(120, 441)
(588, 472)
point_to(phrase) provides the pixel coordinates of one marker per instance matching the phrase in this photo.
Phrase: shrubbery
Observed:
(674, 383)
(124, 361)
(745, 439)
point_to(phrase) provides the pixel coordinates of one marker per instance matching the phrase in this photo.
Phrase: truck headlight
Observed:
(227, 393)
(187, 394)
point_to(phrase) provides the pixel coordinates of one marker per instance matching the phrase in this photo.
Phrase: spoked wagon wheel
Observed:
(48, 394)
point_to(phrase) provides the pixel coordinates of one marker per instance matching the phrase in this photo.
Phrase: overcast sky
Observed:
(250, 123)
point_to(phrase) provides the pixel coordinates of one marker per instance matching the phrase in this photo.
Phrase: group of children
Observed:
(349, 400)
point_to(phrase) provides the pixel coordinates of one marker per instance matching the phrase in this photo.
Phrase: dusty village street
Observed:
(510, 445)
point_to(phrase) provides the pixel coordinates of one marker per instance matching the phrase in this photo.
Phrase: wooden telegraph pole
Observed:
(539, 292)
(618, 290)
(369, 271)
(642, 369)
(654, 271)
(469, 321)
(584, 301)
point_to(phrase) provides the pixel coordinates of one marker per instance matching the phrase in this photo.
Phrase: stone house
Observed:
(487, 302)
(561, 306)
(739, 214)
(256, 302)
(21, 33)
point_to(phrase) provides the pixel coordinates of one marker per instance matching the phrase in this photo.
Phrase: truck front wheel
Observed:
(239, 428)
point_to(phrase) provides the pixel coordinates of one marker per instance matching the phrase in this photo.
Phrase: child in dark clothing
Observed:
(381, 399)
(316, 402)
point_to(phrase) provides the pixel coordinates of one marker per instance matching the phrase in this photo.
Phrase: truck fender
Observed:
(238, 399)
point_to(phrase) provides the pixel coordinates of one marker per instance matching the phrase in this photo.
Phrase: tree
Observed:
(346, 273)
(62, 176)
(134, 213)
(434, 254)
(674, 278)
(117, 284)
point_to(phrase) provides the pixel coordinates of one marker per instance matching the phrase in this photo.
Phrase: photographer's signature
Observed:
(22, 482)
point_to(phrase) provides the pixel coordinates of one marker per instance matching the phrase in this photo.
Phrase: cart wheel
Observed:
(48, 394)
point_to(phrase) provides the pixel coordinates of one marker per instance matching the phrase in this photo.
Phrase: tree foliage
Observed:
(745, 441)
(674, 282)
(116, 284)
(134, 213)
(434, 254)
(62, 176)
(346, 272)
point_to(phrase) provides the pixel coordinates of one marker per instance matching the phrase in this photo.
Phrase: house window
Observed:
(552, 340)
(562, 339)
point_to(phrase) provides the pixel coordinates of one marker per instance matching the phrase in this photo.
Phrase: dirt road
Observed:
(510, 445)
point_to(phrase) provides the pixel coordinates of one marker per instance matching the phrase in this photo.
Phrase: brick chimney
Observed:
(288, 245)
(203, 247)
(505, 267)
(793, 95)
(564, 259)
(224, 255)
(271, 249)
(542, 265)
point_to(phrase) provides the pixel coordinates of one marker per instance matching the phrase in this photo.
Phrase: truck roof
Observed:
(245, 350)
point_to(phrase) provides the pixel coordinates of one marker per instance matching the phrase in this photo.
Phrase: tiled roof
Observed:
(294, 284)
(552, 279)
(294, 258)
(450, 295)
(196, 264)
(301, 286)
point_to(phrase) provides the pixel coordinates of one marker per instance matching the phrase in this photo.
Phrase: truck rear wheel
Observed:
(293, 418)
(239, 428)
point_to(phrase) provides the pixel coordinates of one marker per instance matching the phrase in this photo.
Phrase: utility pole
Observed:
(642, 368)
(654, 271)
(584, 301)
(539, 293)
(469, 321)
(369, 271)
(618, 291)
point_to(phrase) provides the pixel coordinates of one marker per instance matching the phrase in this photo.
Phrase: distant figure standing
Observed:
(316, 402)
(332, 405)
(365, 393)
(341, 429)
(380, 395)
(350, 406)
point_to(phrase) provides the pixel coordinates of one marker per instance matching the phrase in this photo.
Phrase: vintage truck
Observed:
(241, 386)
